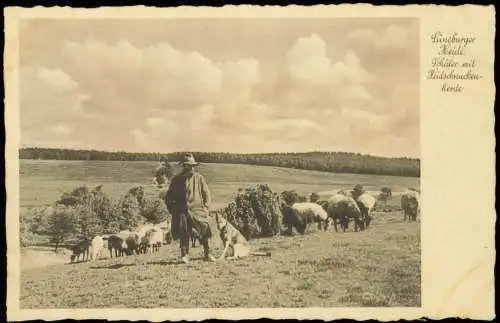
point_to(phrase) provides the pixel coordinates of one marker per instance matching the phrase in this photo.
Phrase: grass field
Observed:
(42, 182)
(378, 267)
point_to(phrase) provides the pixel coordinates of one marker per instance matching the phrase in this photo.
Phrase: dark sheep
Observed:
(292, 218)
(81, 248)
(341, 209)
(410, 203)
(144, 245)
(117, 244)
(133, 243)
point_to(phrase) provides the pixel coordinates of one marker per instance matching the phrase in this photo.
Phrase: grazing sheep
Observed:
(322, 203)
(81, 248)
(410, 203)
(97, 247)
(124, 233)
(292, 218)
(141, 233)
(153, 239)
(133, 244)
(366, 203)
(333, 209)
(312, 212)
(144, 245)
(341, 209)
(165, 227)
(142, 230)
(116, 243)
(144, 235)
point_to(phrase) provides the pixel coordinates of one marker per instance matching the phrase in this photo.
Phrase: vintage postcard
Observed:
(244, 162)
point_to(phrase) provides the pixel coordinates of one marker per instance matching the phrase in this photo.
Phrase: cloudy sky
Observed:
(246, 85)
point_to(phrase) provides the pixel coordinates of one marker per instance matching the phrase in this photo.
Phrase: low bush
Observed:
(255, 212)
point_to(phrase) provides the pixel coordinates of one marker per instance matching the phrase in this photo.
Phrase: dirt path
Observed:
(43, 257)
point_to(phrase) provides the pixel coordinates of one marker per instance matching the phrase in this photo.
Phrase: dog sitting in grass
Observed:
(235, 244)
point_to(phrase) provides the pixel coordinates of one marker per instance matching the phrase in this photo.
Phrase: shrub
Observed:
(255, 212)
(79, 195)
(26, 236)
(129, 216)
(385, 195)
(36, 220)
(95, 212)
(63, 223)
(154, 211)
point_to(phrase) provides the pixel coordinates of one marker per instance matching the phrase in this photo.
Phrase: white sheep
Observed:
(152, 239)
(366, 203)
(141, 234)
(142, 230)
(312, 212)
(97, 247)
(123, 234)
(165, 226)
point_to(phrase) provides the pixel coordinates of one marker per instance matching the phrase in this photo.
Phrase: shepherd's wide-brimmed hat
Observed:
(188, 159)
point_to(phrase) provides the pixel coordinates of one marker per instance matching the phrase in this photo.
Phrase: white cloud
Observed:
(368, 121)
(155, 121)
(57, 78)
(156, 76)
(318, 87)
(139, 136)
(294, 124)
(61, 129)
(241, 73)
(358, 93)
(162, 98)
(307, 61)
(393, 37)
(50, 100)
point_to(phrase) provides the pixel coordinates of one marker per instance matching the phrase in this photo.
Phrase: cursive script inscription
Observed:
(452, 64)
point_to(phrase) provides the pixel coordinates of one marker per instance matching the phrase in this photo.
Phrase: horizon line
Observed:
(222, 152)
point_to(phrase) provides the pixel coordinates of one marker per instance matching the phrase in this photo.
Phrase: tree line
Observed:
(336, 162)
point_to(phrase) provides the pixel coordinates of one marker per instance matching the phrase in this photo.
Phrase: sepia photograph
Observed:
(219, 163)
(228, 159)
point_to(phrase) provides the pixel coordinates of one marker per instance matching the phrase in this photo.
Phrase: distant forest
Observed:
(336, 162)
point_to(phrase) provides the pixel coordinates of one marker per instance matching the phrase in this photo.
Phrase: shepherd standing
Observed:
(188, 200)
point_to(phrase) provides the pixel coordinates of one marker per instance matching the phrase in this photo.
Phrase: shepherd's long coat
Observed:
(190, 195)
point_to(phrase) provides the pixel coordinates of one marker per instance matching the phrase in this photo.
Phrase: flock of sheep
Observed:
(340, 209)
(147, 238)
